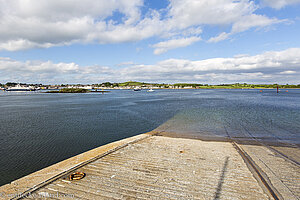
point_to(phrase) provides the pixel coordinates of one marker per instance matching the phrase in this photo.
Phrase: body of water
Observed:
(39, 129)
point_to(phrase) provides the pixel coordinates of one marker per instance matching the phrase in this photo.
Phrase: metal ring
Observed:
(76, 176)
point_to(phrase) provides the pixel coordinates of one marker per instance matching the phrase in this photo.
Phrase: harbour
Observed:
(265, 130)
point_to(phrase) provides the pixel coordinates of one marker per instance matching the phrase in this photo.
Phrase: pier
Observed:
(157, 166)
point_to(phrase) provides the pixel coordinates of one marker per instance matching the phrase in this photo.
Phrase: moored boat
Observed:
(136, 89)
(20, 88)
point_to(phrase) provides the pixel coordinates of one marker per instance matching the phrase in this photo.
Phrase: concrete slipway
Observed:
(153, 166)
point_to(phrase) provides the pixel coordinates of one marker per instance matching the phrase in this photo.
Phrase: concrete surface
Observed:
(283, 174)
(162, 168)
(36, 179)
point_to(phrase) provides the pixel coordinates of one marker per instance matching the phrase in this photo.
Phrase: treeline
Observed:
(129, 83)
(245, 85)
(196, 85)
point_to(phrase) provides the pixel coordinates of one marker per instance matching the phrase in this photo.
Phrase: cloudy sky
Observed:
(167, 41)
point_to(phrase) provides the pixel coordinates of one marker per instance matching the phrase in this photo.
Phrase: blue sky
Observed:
(201, 41)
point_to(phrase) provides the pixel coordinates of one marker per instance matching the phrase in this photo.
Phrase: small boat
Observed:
(20, 88)
(151, 90)
(136, 89)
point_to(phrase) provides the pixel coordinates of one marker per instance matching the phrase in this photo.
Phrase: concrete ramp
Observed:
(160, 167)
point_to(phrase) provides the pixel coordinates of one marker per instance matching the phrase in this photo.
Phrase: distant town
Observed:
(143, 85)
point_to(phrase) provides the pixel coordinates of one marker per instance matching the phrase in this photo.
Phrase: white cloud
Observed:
(277, 4)
(217, 12)
(21, 44)
(9, 65)
(245, 23)
(251, 21)
(272, 66)
(126, 63)
(43, 23)
(288, 72)
(282, 59)
(234, 77)
(220, 37)
(29, 24)
(165, 46)
(239, 14)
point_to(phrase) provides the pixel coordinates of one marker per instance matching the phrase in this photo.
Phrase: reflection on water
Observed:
(37, 130)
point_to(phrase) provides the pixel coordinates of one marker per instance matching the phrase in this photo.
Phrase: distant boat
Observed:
(136, 89)
(20, 88)
(151, 90)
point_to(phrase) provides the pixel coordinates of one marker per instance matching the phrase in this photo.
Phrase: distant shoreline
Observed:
(56, 91)
(75, 90)
(154, 86)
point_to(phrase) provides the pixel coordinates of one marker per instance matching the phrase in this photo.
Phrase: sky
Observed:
(156, 41)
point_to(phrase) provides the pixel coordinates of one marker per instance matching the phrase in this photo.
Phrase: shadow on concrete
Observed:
(221, 180)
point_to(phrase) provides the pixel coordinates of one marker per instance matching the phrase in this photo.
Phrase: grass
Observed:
(70, 90)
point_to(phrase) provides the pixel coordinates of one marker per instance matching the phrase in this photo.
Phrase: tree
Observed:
(107, 84)
(11, 84)
(116, 85)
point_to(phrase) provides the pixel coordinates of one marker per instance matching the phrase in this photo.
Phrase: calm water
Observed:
(38, 129)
